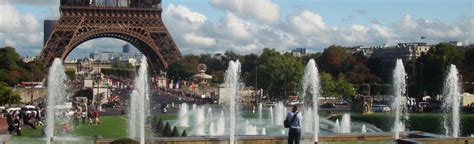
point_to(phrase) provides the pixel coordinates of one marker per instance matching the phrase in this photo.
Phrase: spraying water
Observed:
(199, 122)
(260, 108)
(183, 120)
(232, 82)
(56, 95)
(139, 102)
(452, 98)
(336, 127)
(221, 124)
(399, 103)
(271, 115)
(212, 129)
(279, 114)
(345, 123)
(311, 89)
(307, 120)
(364, 129)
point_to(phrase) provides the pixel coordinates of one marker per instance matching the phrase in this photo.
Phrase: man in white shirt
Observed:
(294, 135)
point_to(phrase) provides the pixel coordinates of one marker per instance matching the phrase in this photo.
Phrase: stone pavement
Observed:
(3, 126)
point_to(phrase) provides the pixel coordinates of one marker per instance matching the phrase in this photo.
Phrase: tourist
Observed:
(96, 116)
(295, 118)
(27, 120)
(11, 124)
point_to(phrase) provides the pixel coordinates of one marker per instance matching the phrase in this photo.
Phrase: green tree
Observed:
(175, 132)
(435, 64)
(279, 75)
(7, 95)
(339, 88)
(184, 134)
(167, 131)
(335, 60)
(12, 67)
(180, 70)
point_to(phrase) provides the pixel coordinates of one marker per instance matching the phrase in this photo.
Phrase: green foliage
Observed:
(12, 67)
(435, 64)
(8, 95)
(167, 131)
(279, 75)
(339, 88)
(175, 132)
(184, 134)
(158, 125)
(125, 141)
(180, 70)
(335, 60)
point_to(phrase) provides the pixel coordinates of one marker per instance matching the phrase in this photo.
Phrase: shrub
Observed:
(175, 132)
(184, 134)
(167, 131)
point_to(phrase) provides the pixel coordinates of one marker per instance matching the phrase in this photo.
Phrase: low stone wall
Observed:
(260, 139)
(462, 140)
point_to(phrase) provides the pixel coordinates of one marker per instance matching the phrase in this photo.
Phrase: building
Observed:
(298, 52)
(405, 51)
(126, 48)
(111, 56)
(48, 26)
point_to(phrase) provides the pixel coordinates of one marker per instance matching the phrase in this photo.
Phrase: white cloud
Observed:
(237, 30)
(185, 13)
(14, 22)
(193, 39)
(260, 10)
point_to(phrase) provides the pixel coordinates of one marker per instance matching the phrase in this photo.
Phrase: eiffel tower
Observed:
(137, 22)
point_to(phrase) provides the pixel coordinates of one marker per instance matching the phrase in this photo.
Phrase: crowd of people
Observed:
(16, 119)
(86, 112)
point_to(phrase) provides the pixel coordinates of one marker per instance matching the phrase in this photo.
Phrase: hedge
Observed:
(427, 122)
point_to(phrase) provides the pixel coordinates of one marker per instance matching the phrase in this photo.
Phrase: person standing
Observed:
(295, 118)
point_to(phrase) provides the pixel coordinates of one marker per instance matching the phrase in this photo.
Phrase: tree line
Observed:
(343, 74)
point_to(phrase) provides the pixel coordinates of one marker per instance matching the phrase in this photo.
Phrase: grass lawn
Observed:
(111, 127)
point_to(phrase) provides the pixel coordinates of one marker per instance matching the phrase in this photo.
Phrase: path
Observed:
(3, 126)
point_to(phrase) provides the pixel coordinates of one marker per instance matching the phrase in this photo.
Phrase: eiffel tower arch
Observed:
(137, 22)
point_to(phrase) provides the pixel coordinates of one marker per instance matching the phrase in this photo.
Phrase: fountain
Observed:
(307, 120)
(345, 124)
(271, 115)
(221, 124)
(139, 102)
(199, 121)
(311, 88)
(212, 129)
(399, 103)
(264, 131)
(209, 113)
(232, 82)
(279, 114)
(56, 96)
(336, 128)
(260, 108)
(183, 115)
(364, 129)
(452, 98)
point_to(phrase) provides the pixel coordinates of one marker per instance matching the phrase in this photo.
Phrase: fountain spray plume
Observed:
(139, 102)
(400, 100)
(452, 98)
(56, 96)
(311, 89)
(232, 82)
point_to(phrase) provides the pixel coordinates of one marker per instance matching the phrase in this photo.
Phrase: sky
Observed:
(248, 26)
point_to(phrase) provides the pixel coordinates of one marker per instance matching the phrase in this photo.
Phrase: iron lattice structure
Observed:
(141, 27)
